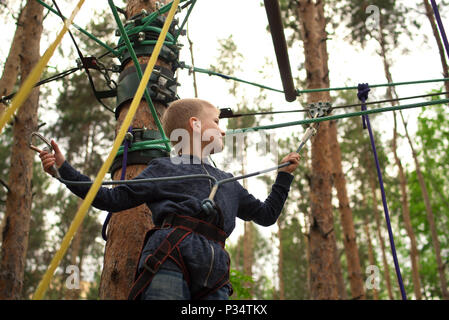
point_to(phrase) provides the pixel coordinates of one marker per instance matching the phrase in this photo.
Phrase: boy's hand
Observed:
(49, 159)
(293, 157)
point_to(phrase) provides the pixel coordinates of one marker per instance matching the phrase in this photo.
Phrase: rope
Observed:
(440, 26)
(213, 73)
(340, 116)
(43, 285)
(83, 61)
(362, 94)
(101, 43)
(44, 81)
(374, 85)
(37, 71)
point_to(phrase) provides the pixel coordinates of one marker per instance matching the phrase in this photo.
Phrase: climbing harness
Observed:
(182, 227)
(363, 90)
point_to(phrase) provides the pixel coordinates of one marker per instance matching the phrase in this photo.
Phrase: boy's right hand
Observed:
(49, 159)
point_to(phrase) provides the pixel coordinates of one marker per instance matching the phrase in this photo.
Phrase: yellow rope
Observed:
(37, 71)
(105, 168)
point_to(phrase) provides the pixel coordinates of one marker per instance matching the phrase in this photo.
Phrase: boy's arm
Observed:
(117, 199)
(265, 213)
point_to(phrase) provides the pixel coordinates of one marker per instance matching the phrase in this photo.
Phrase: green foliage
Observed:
(240, 283)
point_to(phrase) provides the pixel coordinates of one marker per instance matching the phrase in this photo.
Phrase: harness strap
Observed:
(169, 248)
(154, 261)
(206, 229)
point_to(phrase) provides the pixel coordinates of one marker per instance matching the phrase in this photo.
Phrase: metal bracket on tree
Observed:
(162, 86)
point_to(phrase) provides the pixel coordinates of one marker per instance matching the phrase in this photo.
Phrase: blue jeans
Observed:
(170, 285)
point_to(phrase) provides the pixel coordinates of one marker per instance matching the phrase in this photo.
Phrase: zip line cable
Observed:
(227, 112)
(339, 116)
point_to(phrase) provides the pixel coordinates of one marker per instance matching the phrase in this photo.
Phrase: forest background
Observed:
(274, 262)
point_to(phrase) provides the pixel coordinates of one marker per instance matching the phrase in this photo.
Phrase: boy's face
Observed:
(211, 133)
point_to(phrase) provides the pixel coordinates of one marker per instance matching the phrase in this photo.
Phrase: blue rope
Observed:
(440, 26)
(363, 90)
(123, 176)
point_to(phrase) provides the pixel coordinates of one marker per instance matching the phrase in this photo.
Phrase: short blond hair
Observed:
(180, 111)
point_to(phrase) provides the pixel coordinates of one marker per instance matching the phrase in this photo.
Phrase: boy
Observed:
(196, 266)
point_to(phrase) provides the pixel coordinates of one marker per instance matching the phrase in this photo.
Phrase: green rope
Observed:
(140, 74)
(213, 73)
(185, 19)
(144, 145)
(101, 43)
(339, 116)
(373, 86)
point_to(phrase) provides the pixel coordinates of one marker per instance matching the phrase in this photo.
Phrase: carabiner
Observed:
(55, 172)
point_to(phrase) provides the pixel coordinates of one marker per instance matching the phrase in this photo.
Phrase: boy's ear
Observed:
(194, 123)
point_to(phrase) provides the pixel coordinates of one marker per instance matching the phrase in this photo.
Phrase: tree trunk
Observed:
(414, 255)
(127, 229)
(322, 277)
(381, 240)
(12, 63)
(347, 222)
(18, 203)
(436, 34)
(339, 274)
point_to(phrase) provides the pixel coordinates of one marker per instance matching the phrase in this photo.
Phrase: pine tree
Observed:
(18, 203)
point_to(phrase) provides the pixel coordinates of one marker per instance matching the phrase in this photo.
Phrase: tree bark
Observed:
(322, 249)
(436, 34)
(12, 63)
(19, 201)
(339, 274)
(347, 222)
(127, 229)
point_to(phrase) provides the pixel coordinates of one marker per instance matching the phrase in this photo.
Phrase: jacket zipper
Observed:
(211, 247)
(210, 183)
(211, 264)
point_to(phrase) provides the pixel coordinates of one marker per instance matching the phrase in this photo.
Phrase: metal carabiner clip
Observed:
(54, 171)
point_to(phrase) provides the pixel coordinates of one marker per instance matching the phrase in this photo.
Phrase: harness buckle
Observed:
(154, 264)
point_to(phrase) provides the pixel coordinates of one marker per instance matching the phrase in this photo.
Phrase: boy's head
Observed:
(196, 122)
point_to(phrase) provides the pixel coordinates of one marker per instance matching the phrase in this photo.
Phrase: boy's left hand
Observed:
(293, 157)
